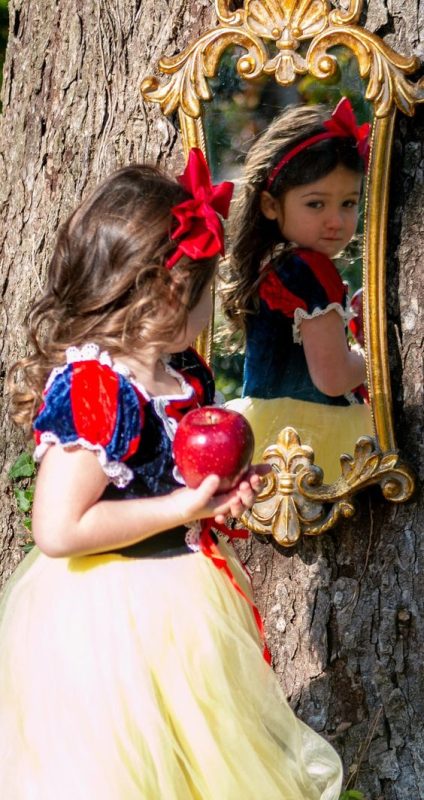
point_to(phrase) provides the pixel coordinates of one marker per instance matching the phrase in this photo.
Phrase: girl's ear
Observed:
(269, 205)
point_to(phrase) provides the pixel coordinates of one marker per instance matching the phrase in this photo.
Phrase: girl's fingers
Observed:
(223, 504)
(262, 469)
(246, 495)
(206, 497)
(237, 508)
(252, 484)
(256, 475)
(207, 489)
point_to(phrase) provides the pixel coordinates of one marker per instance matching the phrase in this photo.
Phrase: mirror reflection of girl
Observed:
(131, 654)
(298, 208)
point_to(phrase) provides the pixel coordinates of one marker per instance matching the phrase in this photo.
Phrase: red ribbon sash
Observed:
(210, 550)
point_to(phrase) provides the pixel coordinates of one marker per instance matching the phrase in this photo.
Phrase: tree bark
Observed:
(344, 612)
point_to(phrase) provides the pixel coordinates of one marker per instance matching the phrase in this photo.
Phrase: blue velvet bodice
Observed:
(91, 404)
(301, 283)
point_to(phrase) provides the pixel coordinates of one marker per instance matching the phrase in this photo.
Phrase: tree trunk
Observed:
(344, 612)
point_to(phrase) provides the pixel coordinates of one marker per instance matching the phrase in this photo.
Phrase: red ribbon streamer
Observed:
(210, 550)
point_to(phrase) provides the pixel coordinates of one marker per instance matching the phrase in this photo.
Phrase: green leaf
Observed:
(352, 794)
(24, 499)
(24, 467)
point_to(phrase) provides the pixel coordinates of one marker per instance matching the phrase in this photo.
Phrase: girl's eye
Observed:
(315, 204)
(350, 203)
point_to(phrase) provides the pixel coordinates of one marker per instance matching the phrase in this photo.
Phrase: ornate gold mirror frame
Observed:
(295, 501)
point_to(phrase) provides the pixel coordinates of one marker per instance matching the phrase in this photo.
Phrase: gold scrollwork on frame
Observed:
(294, 500)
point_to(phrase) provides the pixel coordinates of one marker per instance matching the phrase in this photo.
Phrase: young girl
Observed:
(297, 209)
(131, 654)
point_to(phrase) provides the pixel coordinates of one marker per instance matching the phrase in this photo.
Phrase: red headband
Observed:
(342, 124)
(200, 230)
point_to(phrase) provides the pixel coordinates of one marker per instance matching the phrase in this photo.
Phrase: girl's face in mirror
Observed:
(320, 216)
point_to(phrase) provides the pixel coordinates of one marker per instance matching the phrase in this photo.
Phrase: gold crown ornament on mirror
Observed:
(295, 500)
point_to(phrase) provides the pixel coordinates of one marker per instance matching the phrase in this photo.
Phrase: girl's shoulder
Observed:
(300, 261)
(89, 375)
(90, 402)
(303, 279)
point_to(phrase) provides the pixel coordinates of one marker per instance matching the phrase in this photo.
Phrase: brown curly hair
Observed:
(107, 280)
(253, 237)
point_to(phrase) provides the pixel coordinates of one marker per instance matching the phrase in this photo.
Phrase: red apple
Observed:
(213, 440)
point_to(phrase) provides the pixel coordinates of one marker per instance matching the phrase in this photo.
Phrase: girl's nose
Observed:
(334, 220)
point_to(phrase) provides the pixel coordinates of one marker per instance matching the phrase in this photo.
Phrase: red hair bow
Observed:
(200, 230)
(343, 123)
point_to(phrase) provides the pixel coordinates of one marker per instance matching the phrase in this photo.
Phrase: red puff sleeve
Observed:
(301, 285)
(88, 404)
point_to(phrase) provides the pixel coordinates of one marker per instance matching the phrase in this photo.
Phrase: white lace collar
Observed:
(92, 352)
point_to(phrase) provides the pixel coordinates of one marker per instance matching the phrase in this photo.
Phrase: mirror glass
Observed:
(239, 112)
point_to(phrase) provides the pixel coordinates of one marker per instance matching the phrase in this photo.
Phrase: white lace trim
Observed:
(300, 314)
(177, 476)
(117, 472)
(350, 397)
(192, 537)
(92, 352)
(88, 352)
(159, 404)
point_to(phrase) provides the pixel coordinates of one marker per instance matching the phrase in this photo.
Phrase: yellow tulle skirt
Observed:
(329, 430)
(144, 679)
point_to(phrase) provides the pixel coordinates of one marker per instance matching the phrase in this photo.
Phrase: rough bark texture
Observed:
(344, 613)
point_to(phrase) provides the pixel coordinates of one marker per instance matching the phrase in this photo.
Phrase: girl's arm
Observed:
(334, 369)
(69, 519)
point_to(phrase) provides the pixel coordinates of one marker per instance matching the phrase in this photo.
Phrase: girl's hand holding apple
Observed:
(213, 448)
(204, 501)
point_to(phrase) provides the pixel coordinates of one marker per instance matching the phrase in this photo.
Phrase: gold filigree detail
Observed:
(229, 17)
(287, 23)
(286, 20)
(294, 500)
(281, 510)
(340, 16)
(189, 69)
(384, 68)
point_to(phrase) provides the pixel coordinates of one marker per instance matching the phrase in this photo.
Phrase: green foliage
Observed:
(346, 82)
(22, 474)
(228, 371)
(23, 467)
(352, 794)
